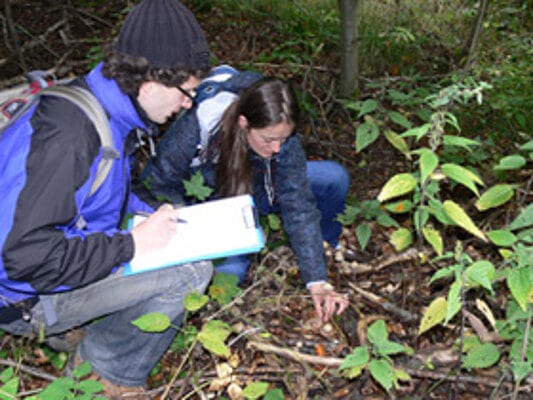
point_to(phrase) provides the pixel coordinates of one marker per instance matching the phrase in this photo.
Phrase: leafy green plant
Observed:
(196, 187)
(377, 358)
(80, 387)
(366, 211)
(424, 182)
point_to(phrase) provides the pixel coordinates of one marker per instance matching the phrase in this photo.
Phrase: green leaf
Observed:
(437, 210)
(224, 288)
(481, 272)
(7, 374)
(255, 390)
(213, 335)
(59, 389)
(454, 300)
(495, 196)
(274, 222)
(90, 386)
(377, 332)
(527, 146)
(388, 348)
(458, 216)
(501, 237)
(428, 163)
(524, 219)
(274, 394)
(459, 141)
(511, 162)
(483, 356)
(401, 239)
(399, 207)
(82, 370)
(195, 187)
(363, 233)
(398, 185)
(520, 370)
(519, 283)
(419, 132)
(367, 107)
(365, 135)
(387, 221)
(194, 301)
(434, 238)
(358, 358)
(399, 119)
(152, 322)
(11, 387)
(398, 142)
(382, 372)
(463, 176)
(434, 315)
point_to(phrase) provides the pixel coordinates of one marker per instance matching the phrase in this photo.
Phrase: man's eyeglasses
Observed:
(190, 94)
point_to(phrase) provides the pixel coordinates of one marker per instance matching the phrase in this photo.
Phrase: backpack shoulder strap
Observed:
(92, 108)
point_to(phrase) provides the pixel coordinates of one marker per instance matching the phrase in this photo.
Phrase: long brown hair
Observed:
(267, 102)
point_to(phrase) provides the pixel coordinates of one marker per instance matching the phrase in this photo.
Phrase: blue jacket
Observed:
(48, 160)
(183, 150)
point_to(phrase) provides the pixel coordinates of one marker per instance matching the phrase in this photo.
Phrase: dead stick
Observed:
(336, 362)
(404, 315)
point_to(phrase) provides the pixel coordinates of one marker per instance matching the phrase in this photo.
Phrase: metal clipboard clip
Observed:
(250, 218)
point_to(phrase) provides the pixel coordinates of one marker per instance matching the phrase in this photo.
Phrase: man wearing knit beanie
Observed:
(62, 247)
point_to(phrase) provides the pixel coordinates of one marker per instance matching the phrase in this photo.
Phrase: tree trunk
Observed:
(349, 15)
(476, 32)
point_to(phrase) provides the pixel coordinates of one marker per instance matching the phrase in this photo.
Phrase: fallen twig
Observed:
(336, 362)
(402, 314)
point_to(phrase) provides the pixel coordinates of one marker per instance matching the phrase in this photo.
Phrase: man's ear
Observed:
(243, 122)
(145, 88)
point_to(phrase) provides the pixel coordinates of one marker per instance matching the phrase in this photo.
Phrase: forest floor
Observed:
(299, 355)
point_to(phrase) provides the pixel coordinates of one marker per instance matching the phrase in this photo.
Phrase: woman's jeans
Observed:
(329, 183)
(116, 349)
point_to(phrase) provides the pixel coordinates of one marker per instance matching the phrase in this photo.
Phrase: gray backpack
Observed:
(16, 101)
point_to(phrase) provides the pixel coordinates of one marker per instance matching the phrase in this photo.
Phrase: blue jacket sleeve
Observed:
(300, 215)
(163, 175)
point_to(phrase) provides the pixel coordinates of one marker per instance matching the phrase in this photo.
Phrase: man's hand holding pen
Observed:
(156, 231)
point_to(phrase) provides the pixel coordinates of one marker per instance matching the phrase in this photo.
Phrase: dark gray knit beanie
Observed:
(166, 33)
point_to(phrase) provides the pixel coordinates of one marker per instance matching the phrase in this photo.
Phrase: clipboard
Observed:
(214, 229)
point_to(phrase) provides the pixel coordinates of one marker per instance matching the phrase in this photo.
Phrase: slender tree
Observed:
(349, 15)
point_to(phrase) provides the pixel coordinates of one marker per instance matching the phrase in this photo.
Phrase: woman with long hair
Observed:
(253, 149)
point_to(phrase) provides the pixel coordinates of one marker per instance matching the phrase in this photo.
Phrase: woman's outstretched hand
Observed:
(327, 301)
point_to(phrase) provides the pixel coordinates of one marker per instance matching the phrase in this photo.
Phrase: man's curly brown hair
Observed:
(130, 72)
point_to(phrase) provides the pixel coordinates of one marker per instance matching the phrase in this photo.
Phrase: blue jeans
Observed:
(329, 183)
(117, 350)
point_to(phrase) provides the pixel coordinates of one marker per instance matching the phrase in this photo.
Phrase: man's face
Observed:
(161, 102)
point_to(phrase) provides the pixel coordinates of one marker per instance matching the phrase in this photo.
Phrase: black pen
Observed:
(147, 214)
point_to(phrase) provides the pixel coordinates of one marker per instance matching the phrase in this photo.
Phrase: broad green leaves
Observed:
(434, 315)
(461, 218)
(212, 337)
(398, 185)
(195, 187)
(152, 322)
(463, 176)
(376, 358)
(365, 135)
(495, 196)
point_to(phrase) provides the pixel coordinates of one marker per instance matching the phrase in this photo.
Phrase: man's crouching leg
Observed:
(122, 354)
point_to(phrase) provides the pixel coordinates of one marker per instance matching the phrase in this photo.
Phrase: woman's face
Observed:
(267, 141)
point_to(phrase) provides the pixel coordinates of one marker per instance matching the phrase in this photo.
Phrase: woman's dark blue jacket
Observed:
(181, 152)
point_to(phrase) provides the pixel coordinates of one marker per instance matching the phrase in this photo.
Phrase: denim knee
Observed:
(236, 265)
